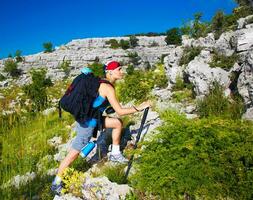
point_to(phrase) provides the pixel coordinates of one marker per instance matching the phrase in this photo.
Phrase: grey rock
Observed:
(101, 188)
(49, 111)
(202, 76)
(245, 80)
(248, 115)
(55, 141)
(224, 45)
(244, 39)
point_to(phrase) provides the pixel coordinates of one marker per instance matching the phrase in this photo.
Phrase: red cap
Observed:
(112, 65)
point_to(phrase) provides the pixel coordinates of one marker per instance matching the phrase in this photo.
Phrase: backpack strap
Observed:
(106, 81)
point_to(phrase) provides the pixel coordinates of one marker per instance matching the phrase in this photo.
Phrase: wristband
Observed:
(135, 108)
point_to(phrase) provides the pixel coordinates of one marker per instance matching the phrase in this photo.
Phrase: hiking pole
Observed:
(137, 140)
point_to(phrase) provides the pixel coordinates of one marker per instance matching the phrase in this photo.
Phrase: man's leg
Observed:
(116, 125)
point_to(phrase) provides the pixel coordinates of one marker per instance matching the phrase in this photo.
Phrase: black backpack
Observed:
(79, 96)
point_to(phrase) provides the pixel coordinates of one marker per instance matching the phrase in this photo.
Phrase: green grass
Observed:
(24, 145)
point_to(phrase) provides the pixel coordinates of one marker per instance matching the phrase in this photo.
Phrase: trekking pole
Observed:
(137, 140)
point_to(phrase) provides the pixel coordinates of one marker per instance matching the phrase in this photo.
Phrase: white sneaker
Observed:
(118, 158)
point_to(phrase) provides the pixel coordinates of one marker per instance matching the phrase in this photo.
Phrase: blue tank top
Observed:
(92, 122)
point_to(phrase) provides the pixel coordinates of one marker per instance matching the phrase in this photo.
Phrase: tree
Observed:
(18, 56)
(218, 23)
(197, 26)
(48, 46)
(173, 36)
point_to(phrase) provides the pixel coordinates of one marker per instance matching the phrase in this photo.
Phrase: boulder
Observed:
(245, 80)
(225, 45)
(202, 76)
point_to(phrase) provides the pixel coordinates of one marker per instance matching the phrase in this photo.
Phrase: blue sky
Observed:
(27, 24)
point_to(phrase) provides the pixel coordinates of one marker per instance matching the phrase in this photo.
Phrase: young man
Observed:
(106, 95)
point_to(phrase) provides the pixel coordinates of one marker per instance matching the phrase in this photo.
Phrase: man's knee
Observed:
(118, 123)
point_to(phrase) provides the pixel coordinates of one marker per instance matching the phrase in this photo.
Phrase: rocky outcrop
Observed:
(82, 52)
(202, 76)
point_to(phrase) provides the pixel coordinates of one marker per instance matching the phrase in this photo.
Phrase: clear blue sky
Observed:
(27, 24)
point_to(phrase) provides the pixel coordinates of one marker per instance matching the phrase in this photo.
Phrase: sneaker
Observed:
(118, 158)
(56, 188)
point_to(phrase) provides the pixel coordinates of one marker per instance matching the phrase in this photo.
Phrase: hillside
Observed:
(197, 139)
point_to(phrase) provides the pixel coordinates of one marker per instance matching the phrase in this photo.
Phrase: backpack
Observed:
(79, 96)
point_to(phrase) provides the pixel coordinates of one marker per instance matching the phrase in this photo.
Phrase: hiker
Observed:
(106, 94)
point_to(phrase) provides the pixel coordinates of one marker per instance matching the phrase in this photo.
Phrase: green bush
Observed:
(179, 85)
(114, 43)
(115, 173)
(173, 36)
(209, 158)
(18, 56)
(36, 91)
(216, 104)
(134, 58)
(189, 54)
(184, 95)
(11, 67)
(48, 46)
(138, 84)
(130, 69)
(222, 61)
(97, 69)
(133, 41)
(199, 29)
(218, 23)
(65, 66)
(2, 77)
(124, 44)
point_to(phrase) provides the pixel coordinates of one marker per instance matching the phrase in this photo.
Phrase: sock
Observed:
(115, 149)
(57, 179)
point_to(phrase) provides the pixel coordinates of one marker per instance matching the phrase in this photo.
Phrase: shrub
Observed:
(134, 58)
(173, 36)
(18, 56)
(97, 69)
(10, 66)
(222, 61)
(48, 46)
(73, 181)
(209, 158)
(189, 54)
(216, 104)
(133, 41)
(36, 91)
(115, 173)
(130, 69)
(198, 28)
(124, 44)
(114, 43)
(179, 85)
(65, 66)
(138, 84)
(184, 95)
(2, 77)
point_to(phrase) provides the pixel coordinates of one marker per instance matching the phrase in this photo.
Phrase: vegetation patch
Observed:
(222, 61)
(207, 158)
(189, 54)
